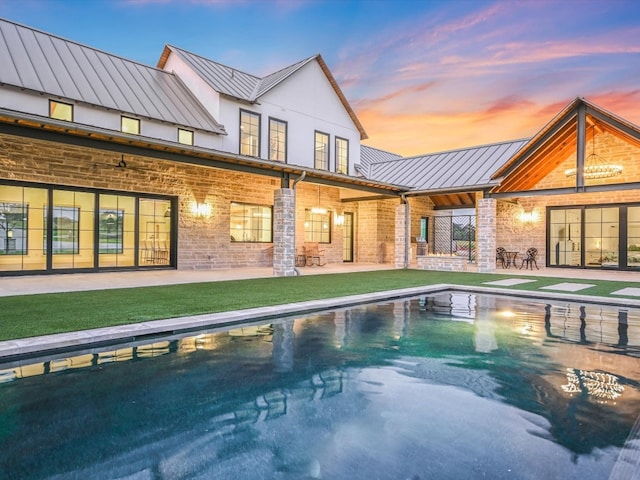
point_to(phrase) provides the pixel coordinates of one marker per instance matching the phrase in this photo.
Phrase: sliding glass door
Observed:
(58, 229)
(599, 236)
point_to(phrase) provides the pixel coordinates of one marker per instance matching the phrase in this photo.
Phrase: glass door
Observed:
(347, 237)
(602, 236)
(633, 237)
(565, 234)
(72, 230)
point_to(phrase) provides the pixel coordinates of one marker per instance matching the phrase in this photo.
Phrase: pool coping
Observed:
(16, 349)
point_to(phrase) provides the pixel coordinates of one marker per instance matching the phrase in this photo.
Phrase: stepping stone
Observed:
(630, 291)
(568, 287)
(508, 282)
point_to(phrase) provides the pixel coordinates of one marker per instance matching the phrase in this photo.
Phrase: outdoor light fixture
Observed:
(595, 166)
(528, 217)
(318, 210)
(339, 219)
(201, 210)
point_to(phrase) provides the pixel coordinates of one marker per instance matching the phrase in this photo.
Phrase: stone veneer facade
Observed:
(204, 243)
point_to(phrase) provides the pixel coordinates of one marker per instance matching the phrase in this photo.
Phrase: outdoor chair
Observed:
(314, 255)
(501, 256)
(530, 259)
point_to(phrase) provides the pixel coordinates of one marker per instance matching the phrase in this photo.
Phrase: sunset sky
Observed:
(422, 76)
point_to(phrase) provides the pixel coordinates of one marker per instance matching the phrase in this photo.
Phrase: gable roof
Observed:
(247, 87)
(465, 169)
(557, 140)
(44, 63)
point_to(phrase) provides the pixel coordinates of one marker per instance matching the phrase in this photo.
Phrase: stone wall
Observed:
(203, 243)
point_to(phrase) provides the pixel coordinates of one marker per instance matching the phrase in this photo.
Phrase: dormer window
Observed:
(130, 125)
(60, 110)
(185, 136)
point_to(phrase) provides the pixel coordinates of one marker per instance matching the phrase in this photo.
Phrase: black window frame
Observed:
(346, 166)
(259, 136)
(286, 142)
(315, 150)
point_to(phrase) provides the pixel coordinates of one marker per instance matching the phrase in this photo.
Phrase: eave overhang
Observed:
(35, 126)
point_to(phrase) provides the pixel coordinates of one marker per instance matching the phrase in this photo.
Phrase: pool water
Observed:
(446, 386)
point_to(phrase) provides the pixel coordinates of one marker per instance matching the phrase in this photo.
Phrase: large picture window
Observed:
(277, 140)
(249, 133)
(251, 223)
(321, 151)
(65, 230)
(317, 227)
(342, 156)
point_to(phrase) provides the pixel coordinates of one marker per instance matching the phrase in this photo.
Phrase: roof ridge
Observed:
(381, 150)
(213, 61)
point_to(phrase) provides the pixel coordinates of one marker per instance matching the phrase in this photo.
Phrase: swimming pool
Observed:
(446, 386)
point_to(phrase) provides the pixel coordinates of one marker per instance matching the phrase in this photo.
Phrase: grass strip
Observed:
(42, 314)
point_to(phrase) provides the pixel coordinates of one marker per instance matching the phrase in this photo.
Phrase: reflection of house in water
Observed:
(452, 305)
(210, 401)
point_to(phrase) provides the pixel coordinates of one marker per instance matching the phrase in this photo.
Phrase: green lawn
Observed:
(32, 315)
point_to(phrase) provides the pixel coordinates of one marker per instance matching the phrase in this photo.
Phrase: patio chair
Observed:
(530, 259)
(314, 255)
(501, 256)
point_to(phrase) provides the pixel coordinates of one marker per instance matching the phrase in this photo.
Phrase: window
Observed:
(317, 227)
(185, 136)
(342, 156)
(251, 223)
(13, 228)
(424, 228)
(130, 125)
(249, 133)
(322, 151)
(65, 230)
(60, 111)
(277, 140)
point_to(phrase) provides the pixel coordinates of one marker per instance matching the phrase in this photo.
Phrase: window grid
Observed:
(317, 227)
(342, 155)
(249, 133)
(251, 223)
(321, 151)
(277, 140)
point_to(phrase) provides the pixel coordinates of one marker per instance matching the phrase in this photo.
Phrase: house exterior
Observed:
(107, 164)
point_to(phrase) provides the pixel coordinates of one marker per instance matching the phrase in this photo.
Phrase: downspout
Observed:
(407, 230)
(293, 187)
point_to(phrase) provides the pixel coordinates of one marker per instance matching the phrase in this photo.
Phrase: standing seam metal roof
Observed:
(44, 63)
(464, 168)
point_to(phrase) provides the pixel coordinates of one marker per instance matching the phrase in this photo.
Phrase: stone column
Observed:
(486, 234)
(402, 242)
(284, 232)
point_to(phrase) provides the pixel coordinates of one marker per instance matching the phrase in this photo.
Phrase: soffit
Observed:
(191, 154)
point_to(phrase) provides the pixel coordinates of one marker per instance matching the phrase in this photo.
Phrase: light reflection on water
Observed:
(440, 386)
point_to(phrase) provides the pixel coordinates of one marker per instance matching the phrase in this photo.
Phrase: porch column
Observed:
(284, 232)
(486, 235)
(401, 252)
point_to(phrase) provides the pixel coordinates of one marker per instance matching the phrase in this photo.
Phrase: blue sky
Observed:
(422, 76)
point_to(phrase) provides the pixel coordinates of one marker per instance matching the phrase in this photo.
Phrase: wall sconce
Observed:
(339, 219)
(528, 217)
(201, 210)
(9, 233)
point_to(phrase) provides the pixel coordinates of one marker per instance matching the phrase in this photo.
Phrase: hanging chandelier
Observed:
(595, 166)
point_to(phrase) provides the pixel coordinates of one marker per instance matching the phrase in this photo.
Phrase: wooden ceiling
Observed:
(553, 150)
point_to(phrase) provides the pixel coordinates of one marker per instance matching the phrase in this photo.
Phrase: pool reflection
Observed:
(371, 391)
